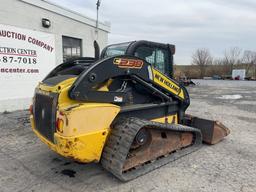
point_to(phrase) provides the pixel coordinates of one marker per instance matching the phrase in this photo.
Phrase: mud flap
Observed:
(212, 131)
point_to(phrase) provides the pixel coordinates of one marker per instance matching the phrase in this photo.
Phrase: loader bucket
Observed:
(212, 131)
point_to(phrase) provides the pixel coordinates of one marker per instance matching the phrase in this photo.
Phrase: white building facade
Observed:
(35, 36)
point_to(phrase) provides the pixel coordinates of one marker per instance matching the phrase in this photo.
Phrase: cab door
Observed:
(158, 57)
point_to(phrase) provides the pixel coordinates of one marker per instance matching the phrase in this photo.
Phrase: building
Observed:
(35, 36)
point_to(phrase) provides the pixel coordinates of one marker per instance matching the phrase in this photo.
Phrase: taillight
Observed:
(59, 125)
(31, 109)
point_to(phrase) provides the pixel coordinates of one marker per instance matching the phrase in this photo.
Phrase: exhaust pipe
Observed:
(96, 50)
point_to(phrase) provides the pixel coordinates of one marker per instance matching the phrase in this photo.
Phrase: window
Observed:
(146, 53)
(161, 61)
(118, 49)
(72, 47)
(157, 57)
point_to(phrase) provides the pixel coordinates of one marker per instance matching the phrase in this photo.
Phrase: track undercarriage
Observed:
(128, 155)
(137, 146)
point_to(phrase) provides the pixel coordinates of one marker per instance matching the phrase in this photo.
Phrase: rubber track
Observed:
(120, 140)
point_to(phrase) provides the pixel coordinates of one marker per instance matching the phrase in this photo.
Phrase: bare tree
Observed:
(202, 58)
(217, 67)
(222, 65)
(254, 63)
(232, 57)
(253, 60)
(249, 60)
(218, 61)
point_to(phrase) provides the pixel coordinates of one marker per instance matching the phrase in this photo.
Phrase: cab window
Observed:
(157, 57)
(118, 49)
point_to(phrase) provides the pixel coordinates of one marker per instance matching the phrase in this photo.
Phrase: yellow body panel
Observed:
(62, 88)
(87, 118)
(85, 126)
(82, 138)
(167, 83)
(84, 148)
(57, 88)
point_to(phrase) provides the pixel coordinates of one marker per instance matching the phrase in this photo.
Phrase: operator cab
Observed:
(159, 55)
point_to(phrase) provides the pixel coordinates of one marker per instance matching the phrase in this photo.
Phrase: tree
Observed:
(249, 60)
(202, 58)
(232, 57)
(222, 65)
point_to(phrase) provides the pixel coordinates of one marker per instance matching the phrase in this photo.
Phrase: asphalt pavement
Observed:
(26, 164)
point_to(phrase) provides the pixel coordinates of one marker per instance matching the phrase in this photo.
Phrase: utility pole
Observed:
(96, 45)
(97, 20)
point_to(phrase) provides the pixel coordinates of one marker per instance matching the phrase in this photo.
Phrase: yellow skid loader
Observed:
(122, 109)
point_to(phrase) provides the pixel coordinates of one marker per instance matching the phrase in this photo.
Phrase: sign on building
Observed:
(26, 57)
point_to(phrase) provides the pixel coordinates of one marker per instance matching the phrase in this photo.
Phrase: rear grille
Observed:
(45, 114)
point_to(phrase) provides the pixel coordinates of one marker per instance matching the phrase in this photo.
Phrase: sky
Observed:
(189, 24)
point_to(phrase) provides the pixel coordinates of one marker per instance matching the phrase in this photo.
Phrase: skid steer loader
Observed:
(122, 109)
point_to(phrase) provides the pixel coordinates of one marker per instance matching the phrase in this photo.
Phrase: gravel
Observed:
(28, 165)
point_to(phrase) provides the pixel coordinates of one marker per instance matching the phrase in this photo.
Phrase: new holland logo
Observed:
(128, 63)
(167, 83)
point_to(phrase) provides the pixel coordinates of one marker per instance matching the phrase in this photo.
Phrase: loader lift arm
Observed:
(85, 87)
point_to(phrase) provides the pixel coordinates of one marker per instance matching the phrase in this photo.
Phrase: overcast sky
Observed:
(189, 24)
